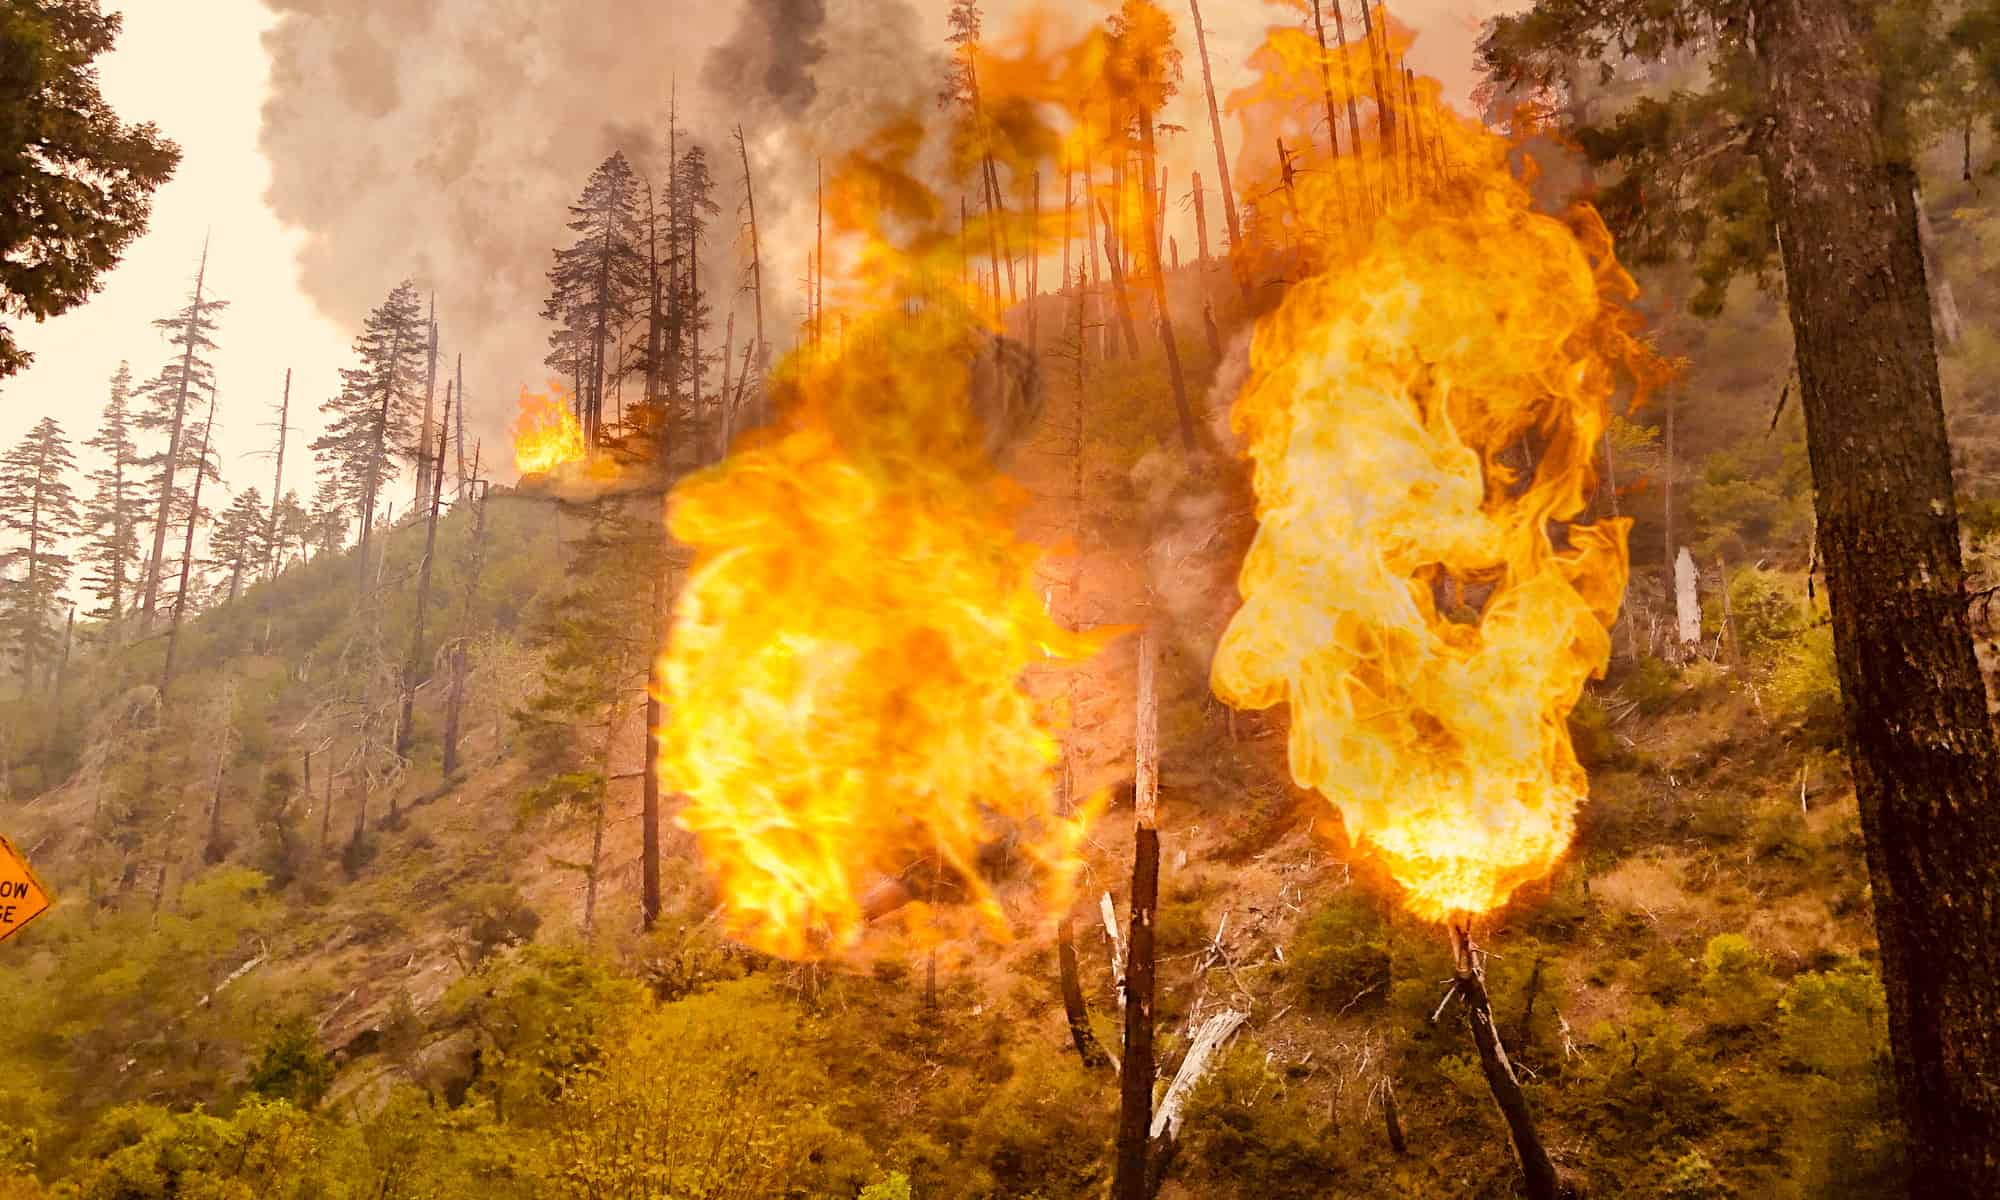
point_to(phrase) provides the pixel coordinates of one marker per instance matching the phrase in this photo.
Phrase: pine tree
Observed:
(115, 512)
(597, 285)
(37, 507)
(238, 543)
(187, 374)
(291, 530)
(373, 419)
(693, 206)
(326, 520)
(79, 180)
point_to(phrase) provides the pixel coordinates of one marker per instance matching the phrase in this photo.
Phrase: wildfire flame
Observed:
(844, 698)
(1423, 412)
(546, 433)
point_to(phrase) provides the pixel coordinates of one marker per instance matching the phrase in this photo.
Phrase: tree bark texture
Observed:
(1088, 1048)
(1922, 748)
(1537, 1171)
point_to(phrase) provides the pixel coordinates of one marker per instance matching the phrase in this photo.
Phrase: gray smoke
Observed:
(775, 49)
(444, 140)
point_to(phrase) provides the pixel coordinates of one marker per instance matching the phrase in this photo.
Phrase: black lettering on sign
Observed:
(7, 915)
(12, 888)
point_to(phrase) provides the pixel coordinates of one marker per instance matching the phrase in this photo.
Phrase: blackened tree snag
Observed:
(1075, 1009)
(1468, 980)
(1215, 127)
(1135, 1076)
(1926, 773)
(413, 661)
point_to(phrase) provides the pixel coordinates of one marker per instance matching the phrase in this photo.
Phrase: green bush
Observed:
(294, 1068)
(1765, 608)
(1341, 957)
(1247, 1135)
(1736, 983)
(1805, 682)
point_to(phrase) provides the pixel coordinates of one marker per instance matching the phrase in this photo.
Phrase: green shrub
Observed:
(1805, 682)
(1341, 958)
(1247, 1135)
(1736, 983)
(1765, 608)
(293, 1068)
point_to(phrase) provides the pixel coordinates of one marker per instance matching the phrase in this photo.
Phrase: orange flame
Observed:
(546, 433)
(846, 712)
(1423, 413)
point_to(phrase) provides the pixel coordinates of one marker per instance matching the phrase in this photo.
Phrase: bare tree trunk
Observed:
(454, 707)
(460, 434)
(1112, 259)
(1135, 1077)
(1149, 204)
(1221, 148)
(756, 271)
(430, 397)
(1537, 1171)
(722, 398)
(649, 804)
(162, 516)
(1088, 1048)
(379, 451)
(187, 556)
(326, 814)
(1926, 768)
(413, 661)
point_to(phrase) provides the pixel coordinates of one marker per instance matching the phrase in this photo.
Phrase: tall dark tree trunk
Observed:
(1131, 1180)
(1151, 203)
(373, 485)
(756, 268)
(454, 705)
(1075, 1010)
(649, 807)
(1923, 750)
(1215, 127)
(1538, 1173)
(459, 433)
(151, 599)
(187, 557)
(424, 464)
(413, 661)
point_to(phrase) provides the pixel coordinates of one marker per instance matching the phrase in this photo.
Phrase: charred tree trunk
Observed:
(1113, 259)
(649, 805)
(459, 433)
(1235, 222)
(1132, 1180)
(413, 661)
(1150, 204)
(1088, 1048)
(454, 707)
(424, 467)
(1537, 1171)
(1926, 772)
(372, 486)
(756, 269)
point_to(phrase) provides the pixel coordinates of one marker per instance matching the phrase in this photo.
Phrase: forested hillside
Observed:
(743, 783)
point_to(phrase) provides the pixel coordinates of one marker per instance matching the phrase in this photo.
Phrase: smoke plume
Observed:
(443, 141)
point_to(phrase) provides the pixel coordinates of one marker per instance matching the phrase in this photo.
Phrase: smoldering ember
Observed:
(927, 599)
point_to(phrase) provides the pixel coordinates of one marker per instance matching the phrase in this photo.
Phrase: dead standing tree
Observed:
(1131, 1180)
(1469, 987)
(413, 662)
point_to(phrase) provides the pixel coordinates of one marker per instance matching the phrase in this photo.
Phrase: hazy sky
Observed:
(204, 83)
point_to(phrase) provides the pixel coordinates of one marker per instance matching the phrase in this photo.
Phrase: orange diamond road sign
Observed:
(22, 895)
